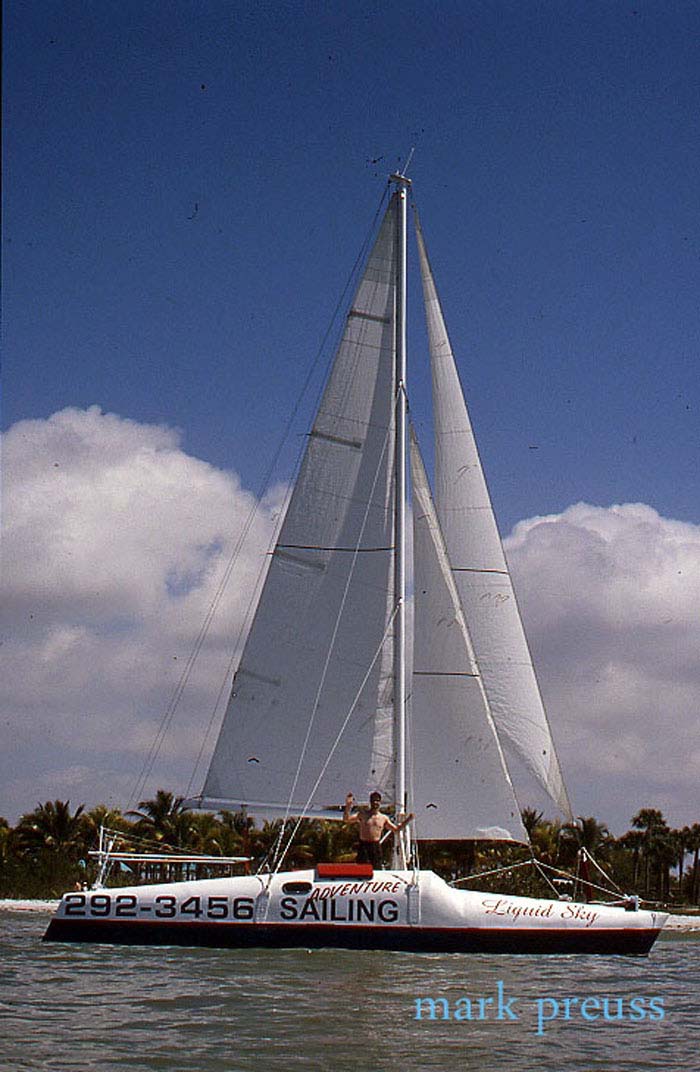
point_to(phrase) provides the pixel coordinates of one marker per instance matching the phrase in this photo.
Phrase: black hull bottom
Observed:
(319, 936)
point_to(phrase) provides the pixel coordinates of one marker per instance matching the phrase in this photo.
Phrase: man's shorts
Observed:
(370, 852)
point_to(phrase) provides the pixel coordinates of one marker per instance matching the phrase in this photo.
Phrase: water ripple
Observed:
(77, 1008)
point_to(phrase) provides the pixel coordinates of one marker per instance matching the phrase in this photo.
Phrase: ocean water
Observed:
(73, 1008)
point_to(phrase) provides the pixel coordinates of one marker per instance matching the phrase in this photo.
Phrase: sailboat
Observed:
(335, 690)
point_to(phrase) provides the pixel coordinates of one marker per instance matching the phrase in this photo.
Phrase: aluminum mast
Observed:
(401, 194)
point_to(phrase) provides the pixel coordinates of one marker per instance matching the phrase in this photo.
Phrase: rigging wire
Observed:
(605, 875)
(171, 708)
(541, 868)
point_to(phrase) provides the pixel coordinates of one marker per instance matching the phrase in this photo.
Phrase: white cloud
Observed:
(610, 598)
(114, 544)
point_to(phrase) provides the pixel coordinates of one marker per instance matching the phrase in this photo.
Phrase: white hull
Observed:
(395, 910)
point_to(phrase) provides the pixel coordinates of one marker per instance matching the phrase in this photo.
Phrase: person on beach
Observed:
(372, 826)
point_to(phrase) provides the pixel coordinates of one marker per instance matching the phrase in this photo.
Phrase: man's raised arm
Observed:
(348, 815)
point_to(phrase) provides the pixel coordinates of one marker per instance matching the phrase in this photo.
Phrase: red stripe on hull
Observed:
(415, 939)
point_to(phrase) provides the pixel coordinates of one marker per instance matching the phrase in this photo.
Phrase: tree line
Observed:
(47, 852)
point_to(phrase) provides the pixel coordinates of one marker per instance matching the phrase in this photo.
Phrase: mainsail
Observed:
(480, 569)
(461, 786)
(319, 649)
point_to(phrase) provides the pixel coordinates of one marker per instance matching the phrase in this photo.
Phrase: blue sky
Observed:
(187, 186)
(556, 165)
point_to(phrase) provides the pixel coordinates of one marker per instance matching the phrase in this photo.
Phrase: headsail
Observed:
(480, 570)
(320, 646)
(461, 786)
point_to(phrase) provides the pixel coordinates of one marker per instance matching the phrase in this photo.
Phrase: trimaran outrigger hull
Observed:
(391, 910)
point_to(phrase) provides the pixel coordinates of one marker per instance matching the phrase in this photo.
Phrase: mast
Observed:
(402, 185)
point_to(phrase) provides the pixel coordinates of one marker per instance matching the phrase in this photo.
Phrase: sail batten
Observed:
(480, 569)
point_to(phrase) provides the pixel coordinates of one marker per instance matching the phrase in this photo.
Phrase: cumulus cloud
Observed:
(610, 598)
(114, 545)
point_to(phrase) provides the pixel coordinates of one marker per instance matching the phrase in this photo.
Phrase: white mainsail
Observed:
(320, 644)
(476, 555)
(461, 787)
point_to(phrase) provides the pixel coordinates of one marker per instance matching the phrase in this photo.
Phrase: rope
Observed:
(494, 871)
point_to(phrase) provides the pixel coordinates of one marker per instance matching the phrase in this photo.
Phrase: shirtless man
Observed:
(372, 826)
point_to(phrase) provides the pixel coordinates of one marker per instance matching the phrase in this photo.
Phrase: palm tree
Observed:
(531, 819)
(4, 836)
(332, 842)
(5, 832)
(584, 838)
(665, 856)
(693, 845)
(236, 829)
(586, 833)
(301, 851)
(102, 816)
(656, 848)
(681, 838)
(632, 841)
(264, 840)
(544, 838)
(51, 828)
(165, 819)
(50, 839)
(207, 834)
